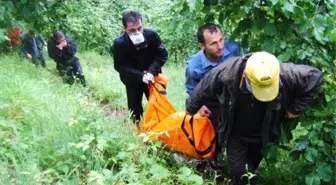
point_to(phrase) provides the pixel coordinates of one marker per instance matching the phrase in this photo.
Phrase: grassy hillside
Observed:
(51, 132)
(103, 80)
(54, 133)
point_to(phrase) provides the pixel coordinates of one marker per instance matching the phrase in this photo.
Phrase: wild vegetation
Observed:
(53, 133)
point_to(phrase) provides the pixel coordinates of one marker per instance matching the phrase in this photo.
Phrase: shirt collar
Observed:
(206, 63)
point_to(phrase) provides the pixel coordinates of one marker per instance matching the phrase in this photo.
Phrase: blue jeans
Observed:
(38, 56)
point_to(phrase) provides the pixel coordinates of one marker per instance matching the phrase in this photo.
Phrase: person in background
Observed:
(139, 55)
(62, 50)
(32, 47)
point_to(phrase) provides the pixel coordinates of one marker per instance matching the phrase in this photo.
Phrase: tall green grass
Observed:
(54, 133)
(104, 81)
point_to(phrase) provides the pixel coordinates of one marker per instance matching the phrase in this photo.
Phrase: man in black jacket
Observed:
(62, 50)
(257, 94)
(135, 51)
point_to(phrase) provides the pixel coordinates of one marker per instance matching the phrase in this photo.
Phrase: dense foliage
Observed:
(298, 31)
(93, 24)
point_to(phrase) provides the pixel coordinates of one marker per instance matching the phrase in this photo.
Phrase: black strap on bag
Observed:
(191, 141)
(164, 92)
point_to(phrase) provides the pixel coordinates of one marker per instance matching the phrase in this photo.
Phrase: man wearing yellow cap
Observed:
(257, 94)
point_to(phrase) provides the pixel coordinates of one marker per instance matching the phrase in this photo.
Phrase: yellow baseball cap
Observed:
(263, 71)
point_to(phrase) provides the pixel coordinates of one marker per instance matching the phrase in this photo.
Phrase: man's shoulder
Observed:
(150, 31)
(194, 62)
(50, 41)
(120, 39)
(232, 45)
(68, 38)
(195, 58)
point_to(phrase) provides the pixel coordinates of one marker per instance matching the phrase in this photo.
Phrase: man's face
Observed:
(32, 35)
(60, 40)
(134, 27)
(213, 43)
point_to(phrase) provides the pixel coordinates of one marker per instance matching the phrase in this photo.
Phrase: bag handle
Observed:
(160, 92)
(191, 141)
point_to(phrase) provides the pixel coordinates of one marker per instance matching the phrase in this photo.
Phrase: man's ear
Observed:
(201, 45)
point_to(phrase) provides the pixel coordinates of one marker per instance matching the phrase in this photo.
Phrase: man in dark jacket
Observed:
(32, 47)
(62, 50)
(257, 94)
(137, 50)
(214, 51)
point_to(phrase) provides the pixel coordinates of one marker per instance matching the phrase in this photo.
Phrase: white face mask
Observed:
(137, 38)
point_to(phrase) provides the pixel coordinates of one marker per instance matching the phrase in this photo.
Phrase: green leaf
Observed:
(301, 143)
(261, 21)
(196, 178)
(284, 57)
(283, 44)
(244, 42)
(312, 136)
(319, 35)
(274, 2)
(288, 6)
(172, 24)
(333, 135)
(195, 4)
(303, 27)
(185, 171)
(320, 22)
(295, 155)
(245, 24)
(271, 153)
(333, 35)
(313, 179)
(269, 45)
(270, 29)
(63, 168)
(159, 172)
(311, 154)
(324, 171)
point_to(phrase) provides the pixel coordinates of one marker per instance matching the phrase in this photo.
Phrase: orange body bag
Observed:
(191, 135)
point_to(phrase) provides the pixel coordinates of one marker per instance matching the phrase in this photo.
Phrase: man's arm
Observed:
(41, 39)
(307, 81)
(71, 47)
(191, 80)
(23, 51)
(119, 59)
(209, 87)
(52, 52)
(161, 56)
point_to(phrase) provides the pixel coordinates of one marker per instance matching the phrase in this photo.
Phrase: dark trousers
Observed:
(72, 68)
(241, 153)
(215, 111)
(36, 56)
(134, 93)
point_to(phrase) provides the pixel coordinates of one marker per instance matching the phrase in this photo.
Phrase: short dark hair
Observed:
(210, 27)
(57, 35)
(131, 17)
(31, 32)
